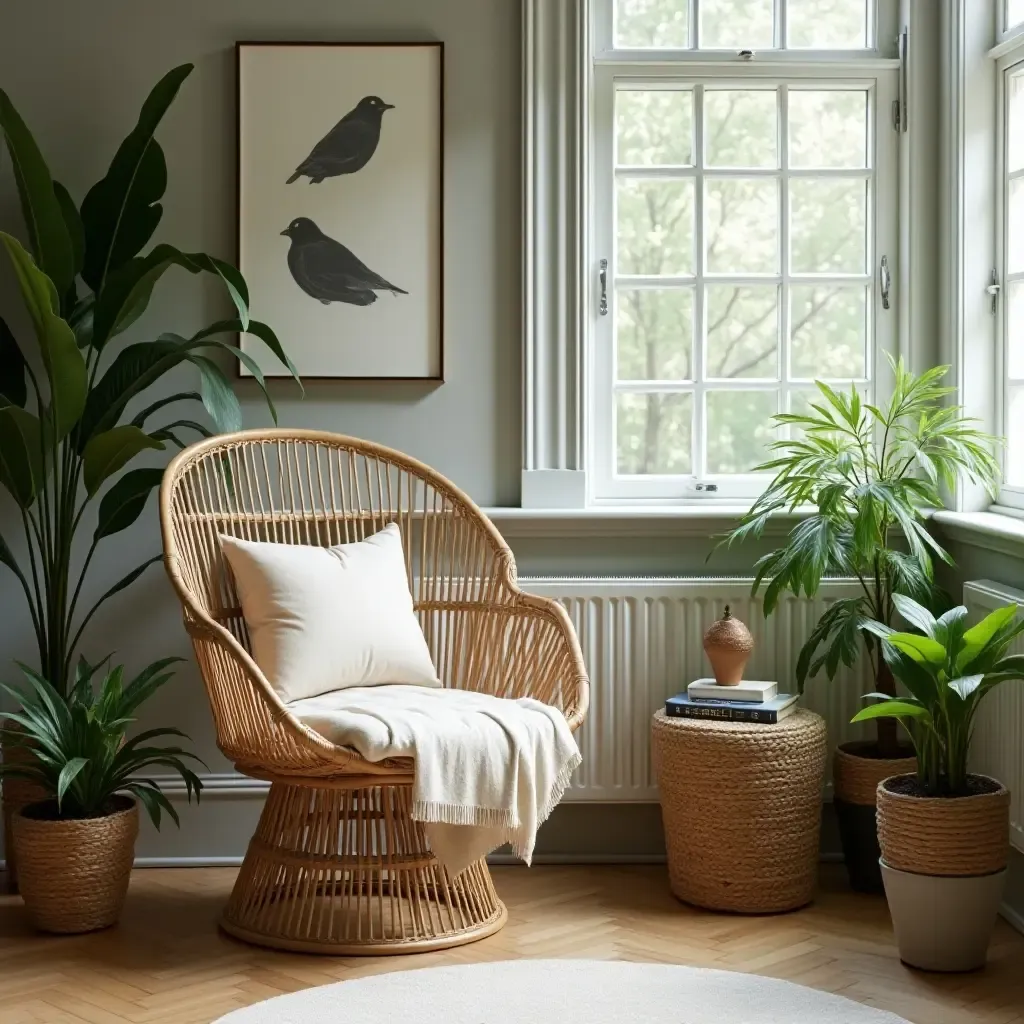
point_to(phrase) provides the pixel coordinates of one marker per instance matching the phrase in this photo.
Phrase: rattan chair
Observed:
(337, 865)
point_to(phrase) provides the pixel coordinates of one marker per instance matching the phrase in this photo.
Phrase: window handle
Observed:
(602, 277)
(993, 290)
(884, 280)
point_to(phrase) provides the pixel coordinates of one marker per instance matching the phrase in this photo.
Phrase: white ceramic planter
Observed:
(943, 923)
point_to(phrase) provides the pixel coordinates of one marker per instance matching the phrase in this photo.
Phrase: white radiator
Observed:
(641, 641)
(998, 747)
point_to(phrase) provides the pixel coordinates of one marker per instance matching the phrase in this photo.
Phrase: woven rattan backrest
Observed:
(304, 487)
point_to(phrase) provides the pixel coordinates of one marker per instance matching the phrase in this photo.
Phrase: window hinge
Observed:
(993, 290)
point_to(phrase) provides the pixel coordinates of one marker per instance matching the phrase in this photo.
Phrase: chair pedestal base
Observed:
(347, 872)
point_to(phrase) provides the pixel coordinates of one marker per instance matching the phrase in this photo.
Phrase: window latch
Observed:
(993, 290)
(602, 277)
(884, 280)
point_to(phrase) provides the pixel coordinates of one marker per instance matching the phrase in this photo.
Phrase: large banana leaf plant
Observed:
(66, 433)
(866, 475)
(947, 670)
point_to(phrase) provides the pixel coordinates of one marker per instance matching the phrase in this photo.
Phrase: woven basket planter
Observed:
(855, 778)
(958, 836)
(944, 866)
(74, 874)
(741, 806)
(14, 794)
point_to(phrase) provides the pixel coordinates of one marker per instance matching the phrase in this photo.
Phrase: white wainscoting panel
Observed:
(642, 642)
(998, 746)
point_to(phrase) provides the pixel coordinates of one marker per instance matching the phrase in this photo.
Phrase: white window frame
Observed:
(1009, 60)
(614, 69)
(560, 286)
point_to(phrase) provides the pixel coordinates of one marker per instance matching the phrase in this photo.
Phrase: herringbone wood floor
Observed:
(167, 964)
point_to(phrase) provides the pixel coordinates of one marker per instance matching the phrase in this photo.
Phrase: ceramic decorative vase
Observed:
(728, 644)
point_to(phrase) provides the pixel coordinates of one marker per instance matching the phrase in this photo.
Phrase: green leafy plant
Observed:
(868, 475)
(947, 670)
(76, 749)
(65, 433)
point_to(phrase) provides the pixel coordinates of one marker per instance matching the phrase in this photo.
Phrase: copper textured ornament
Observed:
(728, 644)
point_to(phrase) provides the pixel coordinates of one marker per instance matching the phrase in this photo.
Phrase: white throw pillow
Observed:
(324, 619)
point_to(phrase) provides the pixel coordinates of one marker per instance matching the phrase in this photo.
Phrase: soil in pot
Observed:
(73, 872)
(857, 770)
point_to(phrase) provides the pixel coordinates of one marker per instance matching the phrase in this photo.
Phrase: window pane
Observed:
(736, 24)
(642, 23)
(1015, 121)
(653, 433)
(827, 24)
(654, 126)
(742, 225)
(654, 333)
(655, 227)
(741, 128)
(1014, 12)
(1015, 330)
(828, 128)
(742, 331)
(1015, 227)
(739, 429)
(828, 328)
(828, 226)
(1015, 430)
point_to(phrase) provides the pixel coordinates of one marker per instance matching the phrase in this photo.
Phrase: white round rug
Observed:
(561, 992)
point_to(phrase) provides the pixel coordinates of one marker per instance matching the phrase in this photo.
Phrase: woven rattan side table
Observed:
(741, 805)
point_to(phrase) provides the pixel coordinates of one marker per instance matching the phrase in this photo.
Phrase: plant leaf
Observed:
(68, 774)
(73, 223)
(13, 385)
(917, 615)
(965, 685)
(220, 400)
(121, 212)
(21, 459)
(890, 709)
(47, 232)
(124, 501)
(106, 453)
(922, 649)
(65, 367)
(128, 288)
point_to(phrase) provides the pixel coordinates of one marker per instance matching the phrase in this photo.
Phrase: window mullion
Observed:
(784, 288)
(699, 416)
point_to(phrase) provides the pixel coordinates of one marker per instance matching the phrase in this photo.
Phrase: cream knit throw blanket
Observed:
(488, 770)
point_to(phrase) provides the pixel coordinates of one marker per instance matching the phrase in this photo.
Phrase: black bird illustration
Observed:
(348, 146)
(327, 270)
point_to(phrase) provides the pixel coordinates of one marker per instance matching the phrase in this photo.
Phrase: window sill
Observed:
(631, 521)
(998, 531)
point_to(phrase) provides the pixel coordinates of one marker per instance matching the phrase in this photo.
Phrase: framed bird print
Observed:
(340, 171)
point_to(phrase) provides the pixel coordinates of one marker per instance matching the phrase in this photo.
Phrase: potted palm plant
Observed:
(75, 847)
(944, 833)
(76, 410)
(866, 476)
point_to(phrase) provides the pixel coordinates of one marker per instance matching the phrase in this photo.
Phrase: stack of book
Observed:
(750, 701)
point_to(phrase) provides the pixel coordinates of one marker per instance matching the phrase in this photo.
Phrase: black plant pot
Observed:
(857, 833)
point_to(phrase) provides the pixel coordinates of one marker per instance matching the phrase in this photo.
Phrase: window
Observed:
(1010, 272)
(744, 206)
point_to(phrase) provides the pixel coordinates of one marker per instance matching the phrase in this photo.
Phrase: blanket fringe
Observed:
(493, 817)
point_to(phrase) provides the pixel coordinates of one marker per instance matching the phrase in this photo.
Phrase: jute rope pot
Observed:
(14, 794)
(949, 836)
(741, 805)
(855, 778)
(74, 874)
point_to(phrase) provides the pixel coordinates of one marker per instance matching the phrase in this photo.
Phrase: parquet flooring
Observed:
(166, 963)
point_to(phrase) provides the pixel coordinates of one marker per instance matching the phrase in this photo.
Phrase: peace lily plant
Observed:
(944, 832)
(76, 412)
